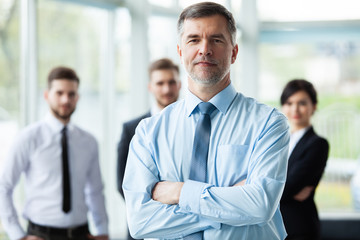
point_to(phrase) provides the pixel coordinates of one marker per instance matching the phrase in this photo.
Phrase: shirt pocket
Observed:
(231, 164)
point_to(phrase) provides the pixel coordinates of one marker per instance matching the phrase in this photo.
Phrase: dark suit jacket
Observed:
(305, 168)
(123, 148)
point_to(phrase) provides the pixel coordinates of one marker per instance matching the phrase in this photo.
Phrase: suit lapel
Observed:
(301, 144)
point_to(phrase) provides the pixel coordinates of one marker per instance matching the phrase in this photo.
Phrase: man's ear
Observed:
(234, 53)
(46, 94)
(179, 52)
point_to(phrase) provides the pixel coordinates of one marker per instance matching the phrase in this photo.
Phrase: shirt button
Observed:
(188, 208)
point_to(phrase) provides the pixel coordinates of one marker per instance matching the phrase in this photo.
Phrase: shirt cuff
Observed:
(102, 229)
(191, 193)
(14, 231)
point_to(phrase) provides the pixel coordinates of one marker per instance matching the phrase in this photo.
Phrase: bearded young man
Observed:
(62, 174)
(164, 85)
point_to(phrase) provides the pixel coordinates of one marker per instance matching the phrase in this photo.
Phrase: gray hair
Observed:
(207, 9)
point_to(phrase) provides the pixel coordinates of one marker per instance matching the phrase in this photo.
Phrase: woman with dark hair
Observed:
(308, 154)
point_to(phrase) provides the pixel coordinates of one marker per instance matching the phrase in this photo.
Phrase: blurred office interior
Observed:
(111, 42)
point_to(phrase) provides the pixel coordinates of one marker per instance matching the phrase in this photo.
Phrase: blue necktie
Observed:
(200, 151)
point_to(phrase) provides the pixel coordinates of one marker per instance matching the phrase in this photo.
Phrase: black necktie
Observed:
(65, 172)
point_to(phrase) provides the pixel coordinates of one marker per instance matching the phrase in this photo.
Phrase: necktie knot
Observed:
(206, 108)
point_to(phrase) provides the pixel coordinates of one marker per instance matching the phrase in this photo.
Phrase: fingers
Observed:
(241, 183)
(32, 237)
(100, 237)
(304, 193)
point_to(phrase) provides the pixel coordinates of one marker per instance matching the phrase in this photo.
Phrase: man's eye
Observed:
(193, 41)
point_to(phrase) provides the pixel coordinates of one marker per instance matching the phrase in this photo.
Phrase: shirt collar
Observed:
(55, 124)
(300, 133)
(155, 109)
(221, 101)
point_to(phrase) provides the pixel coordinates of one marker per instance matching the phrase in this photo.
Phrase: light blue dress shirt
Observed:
(37, 153)
(248, 140)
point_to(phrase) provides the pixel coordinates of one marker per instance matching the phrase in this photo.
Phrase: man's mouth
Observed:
(205, 62)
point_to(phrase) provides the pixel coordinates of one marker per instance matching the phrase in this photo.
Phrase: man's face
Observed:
(165, 86)
(62, 98)
(205, 49)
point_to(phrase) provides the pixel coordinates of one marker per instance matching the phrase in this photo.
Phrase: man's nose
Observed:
(205, 48)
(166, 88)
(65, 98)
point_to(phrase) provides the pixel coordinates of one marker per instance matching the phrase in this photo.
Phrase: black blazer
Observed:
(305, 168)
(123, 147)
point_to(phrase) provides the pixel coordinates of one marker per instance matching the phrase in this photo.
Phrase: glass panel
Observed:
(236, 9)
(122, 109)
(308, 10)
(332, 67)
(186, 3)
(163, 38)
(162, 3)
(74, 35)
(79, 49)
(9, 78)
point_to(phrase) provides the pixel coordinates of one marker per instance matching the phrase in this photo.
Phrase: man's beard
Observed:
(62, 116)
(214, 77)
(165, 103)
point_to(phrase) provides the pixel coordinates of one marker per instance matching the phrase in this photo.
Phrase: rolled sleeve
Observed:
(191, 193)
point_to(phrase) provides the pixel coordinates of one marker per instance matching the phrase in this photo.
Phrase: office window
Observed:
(332, 67)
(9, 78)
(122, 112)
(308, 10)
(70, 35)
(186, 3)
(162, 3)
(163, 37)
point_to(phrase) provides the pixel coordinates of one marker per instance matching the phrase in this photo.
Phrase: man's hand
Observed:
(100, 237)
(167, 192)
(31, 237)
(242, 183)
(304, 193)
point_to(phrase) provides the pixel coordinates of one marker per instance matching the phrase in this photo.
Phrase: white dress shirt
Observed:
(295, 138)
(37, 153)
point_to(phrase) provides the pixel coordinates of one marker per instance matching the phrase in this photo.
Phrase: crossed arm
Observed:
(305, 175)
(169, 192)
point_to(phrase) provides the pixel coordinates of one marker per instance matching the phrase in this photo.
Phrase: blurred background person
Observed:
(62, 173)
(165, 86)
(308, 154)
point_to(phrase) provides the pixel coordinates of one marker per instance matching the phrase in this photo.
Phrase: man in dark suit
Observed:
(165, 85)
